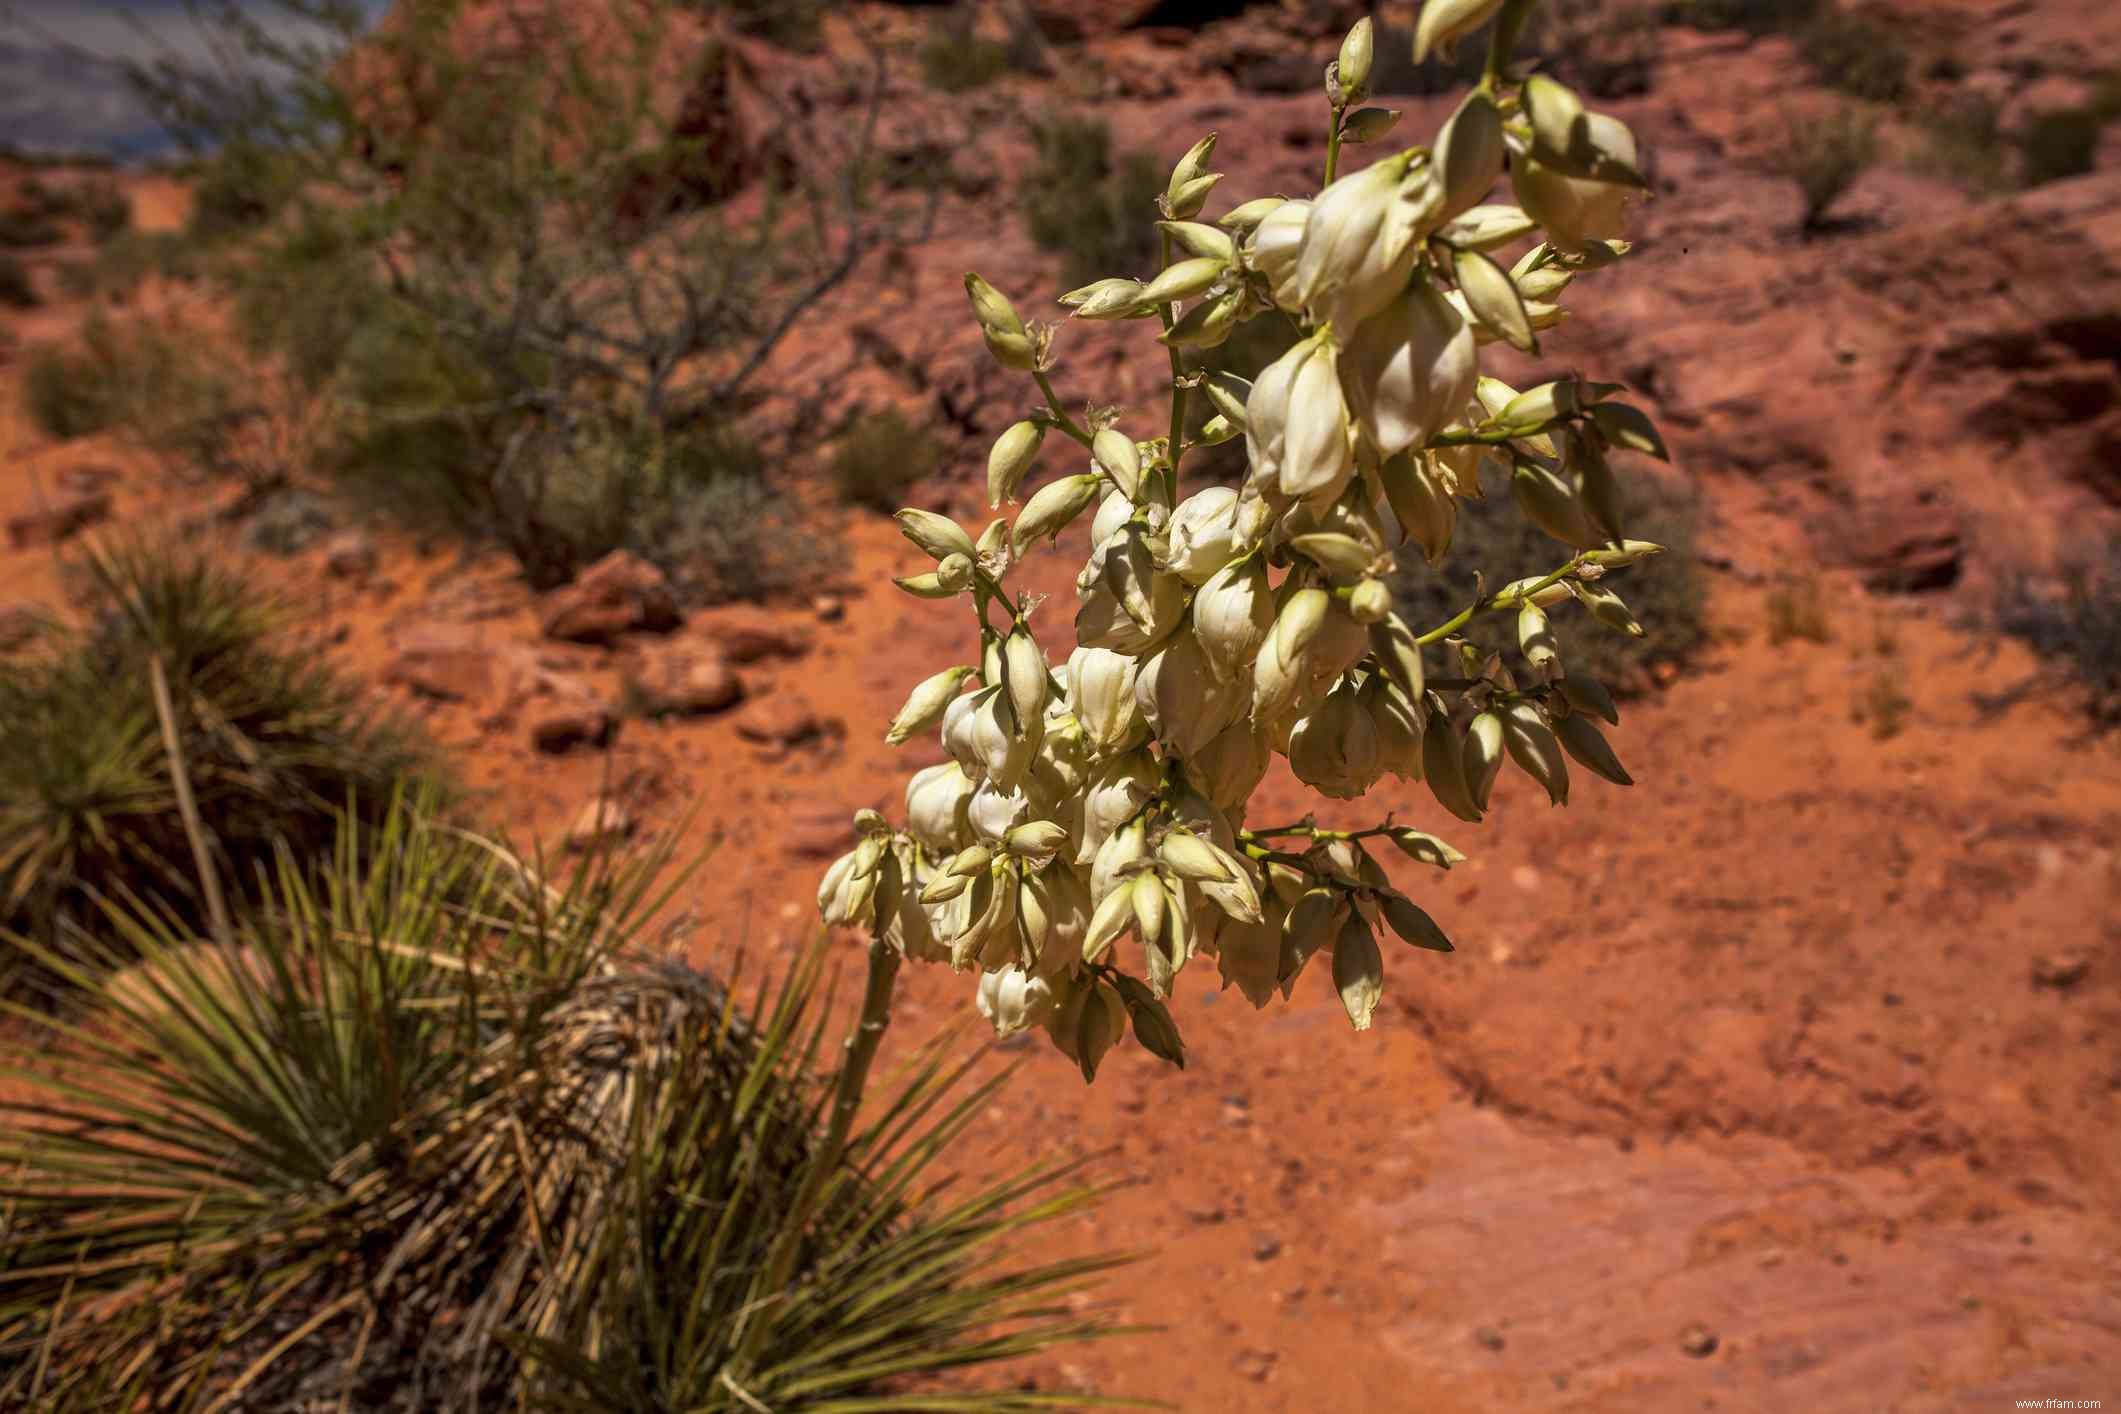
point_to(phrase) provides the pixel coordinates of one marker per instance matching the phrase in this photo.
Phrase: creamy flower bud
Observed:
(1118, 458)
(1298, 423)
(993, 811)
(1535, 749)
(1207, 324)
(1184, 702)
(1196, 238)
(1113, 916)
(1398, 721)
(1274, 248)
(1014, 1000)
(1242, 220)
(1368, 124)
(991, 307)
(1360, 241)
(937, 798)
(1037, 840)
(1409, 370)
(1232, 616)
(1014, 453)
(1117, 790)
(1552, 502)
(1560, 126)
(955, 574)
(1334, 748)
(1492, 298)
(1203, 534)
(938, 535)
(1536, 640)
(1369, 602)
(1003, 742)
(1184, 279)
(1488, 228)
(844, 896)
(1482, 754)
(926, 704)
(1228, 769)
(1114, 298)
(1024, 674)
(1358, 971)
(1189, 172)
(1101, 695)
(1052, 507)
(1444, 22)
(1469, 154)
(1575, 211)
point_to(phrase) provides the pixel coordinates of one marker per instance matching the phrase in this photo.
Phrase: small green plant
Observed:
(1963, 142)
(238, 189)
(1797, 608)
(23, 228)
(1669, 593)
(2057, 145)
(732, 535)
(880, 456)
(1749, 16)
(957, 58)
(1085, 202)
(66, 394)
(431, 1128)
(2075, 624)
(274, 742)
(1824, 157)
(1864, 58)
(1883, 704)
(17, 289)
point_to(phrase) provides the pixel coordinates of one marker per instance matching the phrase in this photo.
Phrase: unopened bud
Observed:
(925, 704)
(992, 308)
(1358, 970)
(1352, 68)
(1184, 279)
(1368, 124)
(1013, 454)
(938, 535)
(1053, 506)
(1198, 239)
(1242, 220)
(1037, 840)
(1118, 458)
(1115, 298)
(955, 573)
(1370, 601)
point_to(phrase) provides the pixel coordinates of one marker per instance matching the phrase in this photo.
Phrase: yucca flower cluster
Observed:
(1090, 835)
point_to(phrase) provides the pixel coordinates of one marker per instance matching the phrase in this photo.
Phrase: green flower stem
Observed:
(1066, 423)
(1476, 439)
(1168, 314)
(824, 1166)
(1489, 603)
(1333, 145)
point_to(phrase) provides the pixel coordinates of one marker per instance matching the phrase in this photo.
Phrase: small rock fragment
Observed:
(1697, 1340)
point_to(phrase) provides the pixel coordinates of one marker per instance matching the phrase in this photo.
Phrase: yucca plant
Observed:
(430, 1131)
(274, 742)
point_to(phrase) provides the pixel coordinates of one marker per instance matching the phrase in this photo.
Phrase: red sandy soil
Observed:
(1788, 1079)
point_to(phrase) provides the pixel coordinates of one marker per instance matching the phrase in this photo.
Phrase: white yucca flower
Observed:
(1183, 700)
(1409, 370)
(1203, 534)
(937, 798)
(1360, 240)
(1574, 210)
(1101, 695)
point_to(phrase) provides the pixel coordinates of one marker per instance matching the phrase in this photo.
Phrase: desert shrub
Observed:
(238, 189)
(22, 229)
(1750, 16)
(274, 741)
(2057, 145)
(435, 1130)
(2076, 623)
(1963, 142)
(165, 392)
(1797, 608)
(736, 536)
(65, 394)
(1882, 703)
(1087, 203)
(957, 58)
(17, 290)
(879, 456)
(1863, 57)
(1667, 593)
(1824, 155)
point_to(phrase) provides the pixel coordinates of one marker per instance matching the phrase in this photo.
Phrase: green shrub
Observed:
(957, 58)
(880, 456)
(1824, 156)
(1750, 16)
(22, 229)
(1087, 203)
(239, 189)
(734, 536)
(1963, 142)
(65, 393)
(2055, 146)
(2076, 624)
(439, 1132)
(1862, 57)
(1666, 592)
(17, 290)
(275, 744)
